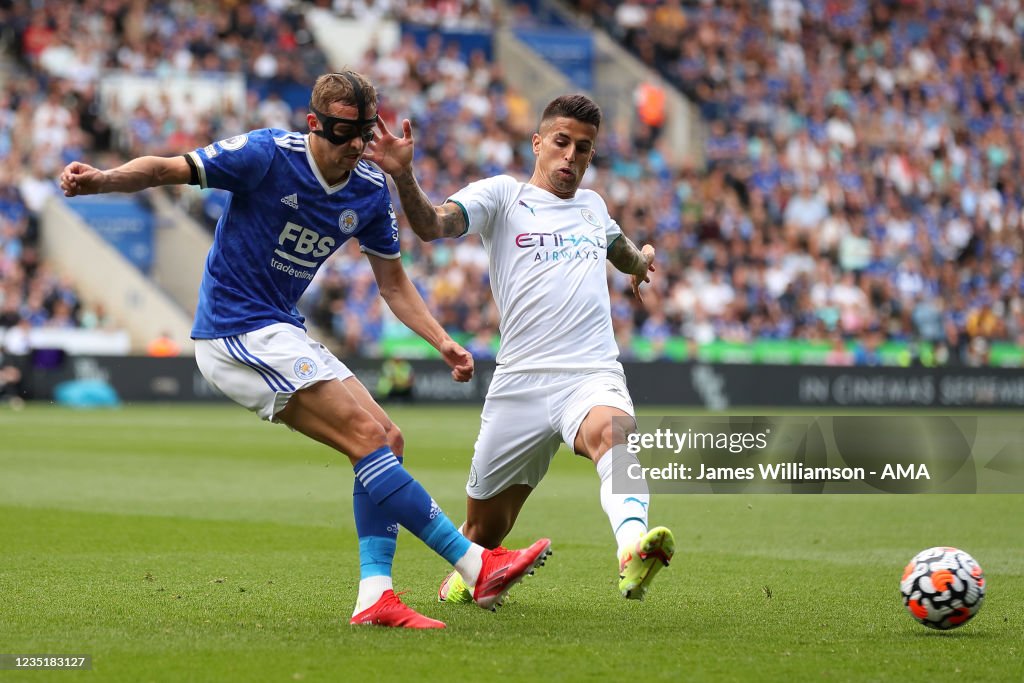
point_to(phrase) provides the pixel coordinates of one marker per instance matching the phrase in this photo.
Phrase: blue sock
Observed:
(398, 496)
(377, 531)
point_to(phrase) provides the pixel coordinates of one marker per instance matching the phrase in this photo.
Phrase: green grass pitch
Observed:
(199, 544)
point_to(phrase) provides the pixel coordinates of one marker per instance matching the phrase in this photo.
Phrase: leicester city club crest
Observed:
(234, 142)
(305, 368)
(348, 221)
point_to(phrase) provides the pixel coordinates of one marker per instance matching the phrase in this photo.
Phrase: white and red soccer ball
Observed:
(943, 587)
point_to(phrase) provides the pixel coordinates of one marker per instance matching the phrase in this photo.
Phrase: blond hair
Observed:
(334, 87)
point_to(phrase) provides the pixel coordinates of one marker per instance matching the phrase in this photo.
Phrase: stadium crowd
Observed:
(29, 290)
(860, 165)
(859, 172)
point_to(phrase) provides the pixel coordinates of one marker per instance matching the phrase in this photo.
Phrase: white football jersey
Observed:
(548, 275)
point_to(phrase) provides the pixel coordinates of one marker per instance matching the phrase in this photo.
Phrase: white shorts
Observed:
(263, 368)
(528, 415)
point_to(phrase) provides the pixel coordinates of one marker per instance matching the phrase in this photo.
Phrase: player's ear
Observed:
(312, 121)
(536, 144)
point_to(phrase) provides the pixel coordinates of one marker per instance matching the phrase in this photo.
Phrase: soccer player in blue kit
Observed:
(296, 198)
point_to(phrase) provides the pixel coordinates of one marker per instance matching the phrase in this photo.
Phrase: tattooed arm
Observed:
(394, 155)
(429, 222)
(636, 263)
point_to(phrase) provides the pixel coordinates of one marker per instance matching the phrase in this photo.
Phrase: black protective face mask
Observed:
(363, 127)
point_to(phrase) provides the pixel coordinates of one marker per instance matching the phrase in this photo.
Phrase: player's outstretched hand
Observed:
(637, 280)
(458, 359)
(392, 154)
(78, 178)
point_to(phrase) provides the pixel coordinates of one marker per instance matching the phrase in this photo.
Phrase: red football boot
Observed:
(504, 568)
(390, 611)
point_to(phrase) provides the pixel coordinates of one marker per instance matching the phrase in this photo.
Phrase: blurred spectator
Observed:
(11, 389)
(839, 355)
(163, 346)
(867, 351)
(15, 359)
(397, 381)
(649, 97)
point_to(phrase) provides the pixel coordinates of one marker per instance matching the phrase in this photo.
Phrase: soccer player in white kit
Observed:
(296, 198)
(558, 378)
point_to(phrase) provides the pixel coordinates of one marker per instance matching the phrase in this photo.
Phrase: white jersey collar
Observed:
(329, 189)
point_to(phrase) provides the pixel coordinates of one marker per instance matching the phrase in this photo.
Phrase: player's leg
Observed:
(272, 372)
(377, 532)
(512, 453)
(627, 512)
(608, 413)
(280, 374)
(329, 413)
(500, 568)
(487, 523)
(376, 526)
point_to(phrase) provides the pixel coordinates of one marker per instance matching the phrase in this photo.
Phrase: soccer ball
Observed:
(943, 587)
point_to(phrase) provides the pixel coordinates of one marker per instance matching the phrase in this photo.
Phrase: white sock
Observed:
(627, 512)
(471, 564)
(370, 591)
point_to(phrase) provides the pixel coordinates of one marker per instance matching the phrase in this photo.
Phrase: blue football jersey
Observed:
(282, 222)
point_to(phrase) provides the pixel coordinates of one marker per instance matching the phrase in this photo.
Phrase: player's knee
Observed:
(609, 436)
(602, 439)
(367, 432)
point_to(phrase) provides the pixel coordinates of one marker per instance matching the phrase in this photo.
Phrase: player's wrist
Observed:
(403, 174)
